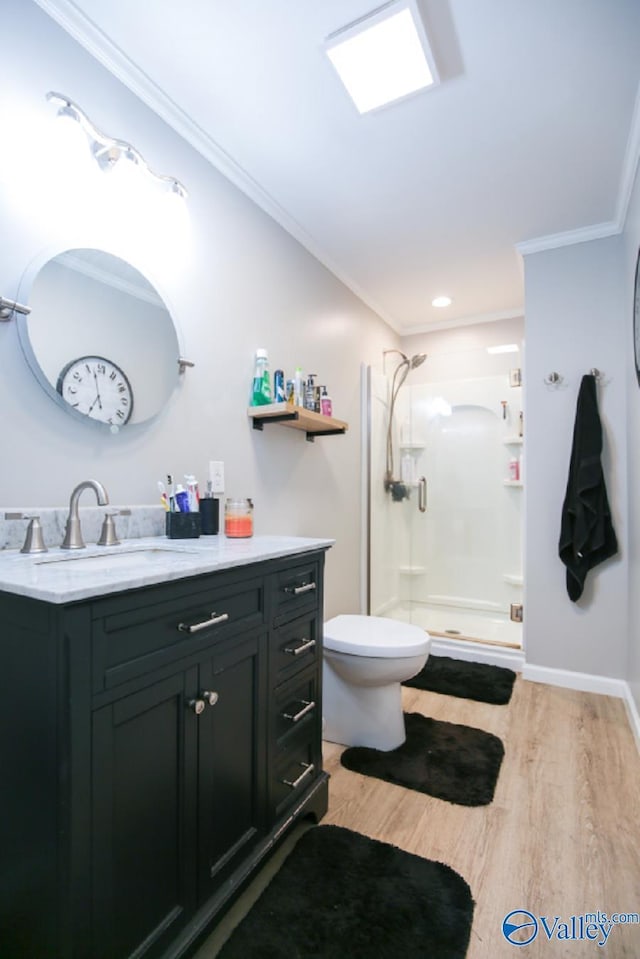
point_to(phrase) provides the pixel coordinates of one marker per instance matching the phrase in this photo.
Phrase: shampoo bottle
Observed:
(326, 406)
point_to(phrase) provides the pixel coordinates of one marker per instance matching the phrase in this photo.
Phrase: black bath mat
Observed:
(457, 763)
(455, 677)
(339, 894)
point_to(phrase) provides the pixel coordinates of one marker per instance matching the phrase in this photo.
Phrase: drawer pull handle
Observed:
(213, 621)
(307, 770)
(210, 697)
(197, 705)
(298, 590)
(296, 650)
(307, 708)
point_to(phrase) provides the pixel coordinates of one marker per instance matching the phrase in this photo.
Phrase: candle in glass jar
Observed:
(238, 518)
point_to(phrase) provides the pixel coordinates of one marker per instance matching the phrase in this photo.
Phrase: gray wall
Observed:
(234, 281)
(576, 319)
(631, 239)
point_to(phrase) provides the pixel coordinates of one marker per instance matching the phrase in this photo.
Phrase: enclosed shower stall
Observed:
(445, 486)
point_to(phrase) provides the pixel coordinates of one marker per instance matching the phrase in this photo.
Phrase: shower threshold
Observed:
(465, 625)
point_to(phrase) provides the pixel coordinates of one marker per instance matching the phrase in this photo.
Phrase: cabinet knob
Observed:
(197, 705)
(210, 697)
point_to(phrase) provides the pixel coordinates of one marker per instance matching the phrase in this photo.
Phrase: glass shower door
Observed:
(448, 555)
(464, 547)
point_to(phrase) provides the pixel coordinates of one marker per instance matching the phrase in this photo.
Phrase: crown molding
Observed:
(516, 312)
(67, 15)
(553, 241)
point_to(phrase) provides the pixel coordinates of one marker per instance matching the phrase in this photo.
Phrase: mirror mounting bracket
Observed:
(9, 307)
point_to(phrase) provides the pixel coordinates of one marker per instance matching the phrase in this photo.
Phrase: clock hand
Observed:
(97, 392)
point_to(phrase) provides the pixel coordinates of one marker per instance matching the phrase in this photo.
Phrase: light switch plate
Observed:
(216, 476)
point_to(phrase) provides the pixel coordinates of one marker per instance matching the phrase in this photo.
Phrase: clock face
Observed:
(96, 387)
(636, 317)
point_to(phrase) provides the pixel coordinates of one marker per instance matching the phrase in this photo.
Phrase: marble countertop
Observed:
(64, 576)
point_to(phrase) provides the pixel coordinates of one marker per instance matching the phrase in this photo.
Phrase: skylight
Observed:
(384, 56)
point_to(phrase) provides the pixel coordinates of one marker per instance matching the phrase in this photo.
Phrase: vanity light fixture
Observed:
(383, 56)
(107, 151)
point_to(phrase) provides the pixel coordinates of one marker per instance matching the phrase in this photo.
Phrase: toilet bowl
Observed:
(365, 659)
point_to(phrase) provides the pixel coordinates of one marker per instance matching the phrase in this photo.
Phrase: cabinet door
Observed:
(143, 795)
(232, 749)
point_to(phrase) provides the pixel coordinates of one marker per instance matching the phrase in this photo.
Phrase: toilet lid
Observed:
(374, 636)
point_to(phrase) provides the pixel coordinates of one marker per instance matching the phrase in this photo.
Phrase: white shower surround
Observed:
(458, 566)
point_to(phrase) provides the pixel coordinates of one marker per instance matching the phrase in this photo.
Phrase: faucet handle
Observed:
(108, 536)
(34, 540)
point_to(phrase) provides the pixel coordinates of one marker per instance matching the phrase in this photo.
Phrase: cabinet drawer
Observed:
(295, 771)
(295, 647)
(138, 634)
(297, 588)
(296, 708)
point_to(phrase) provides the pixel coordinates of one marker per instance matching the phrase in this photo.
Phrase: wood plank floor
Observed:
(562, 836)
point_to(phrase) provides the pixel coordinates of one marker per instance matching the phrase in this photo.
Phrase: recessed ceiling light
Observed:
(384, 56)
(442, 301)
(504, 348)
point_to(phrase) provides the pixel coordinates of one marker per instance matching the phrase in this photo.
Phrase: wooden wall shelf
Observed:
(297, 418)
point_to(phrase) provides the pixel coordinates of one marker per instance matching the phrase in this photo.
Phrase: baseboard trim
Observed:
(588, 683)
(474, 652)
(633, 715)
(585, 682)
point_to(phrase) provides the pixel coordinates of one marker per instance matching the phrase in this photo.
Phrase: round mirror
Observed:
(100, 339)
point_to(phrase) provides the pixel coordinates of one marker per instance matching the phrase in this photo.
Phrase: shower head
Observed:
(417, 360)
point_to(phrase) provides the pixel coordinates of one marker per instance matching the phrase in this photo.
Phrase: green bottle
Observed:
(261, 390)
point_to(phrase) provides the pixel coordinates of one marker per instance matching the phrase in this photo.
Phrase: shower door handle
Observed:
(422, 494)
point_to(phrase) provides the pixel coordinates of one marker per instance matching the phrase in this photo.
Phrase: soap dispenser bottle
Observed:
(326, 406)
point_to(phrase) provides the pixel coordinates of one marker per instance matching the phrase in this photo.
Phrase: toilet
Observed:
(365, 659)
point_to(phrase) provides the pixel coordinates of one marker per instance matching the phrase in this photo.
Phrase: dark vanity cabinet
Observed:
(155, 745)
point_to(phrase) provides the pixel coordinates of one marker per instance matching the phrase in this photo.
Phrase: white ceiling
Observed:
(531, 134)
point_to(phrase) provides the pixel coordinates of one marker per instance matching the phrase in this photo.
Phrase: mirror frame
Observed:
(24, 294)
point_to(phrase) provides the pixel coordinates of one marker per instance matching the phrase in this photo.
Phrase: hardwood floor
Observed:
(562, 835)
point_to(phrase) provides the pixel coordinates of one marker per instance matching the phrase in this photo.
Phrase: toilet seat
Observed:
(374, 636)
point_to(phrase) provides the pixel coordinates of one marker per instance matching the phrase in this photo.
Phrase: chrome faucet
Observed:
(73, 536)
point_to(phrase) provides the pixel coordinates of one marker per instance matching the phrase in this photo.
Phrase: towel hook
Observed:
(554, 379)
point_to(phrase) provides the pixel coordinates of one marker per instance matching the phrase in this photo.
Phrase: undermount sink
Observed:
(135, 558)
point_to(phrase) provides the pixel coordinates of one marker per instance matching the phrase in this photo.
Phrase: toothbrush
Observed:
(163, 495)
(172, 502)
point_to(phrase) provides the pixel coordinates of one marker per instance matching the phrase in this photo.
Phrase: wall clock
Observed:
(97, 387)
(636, 317)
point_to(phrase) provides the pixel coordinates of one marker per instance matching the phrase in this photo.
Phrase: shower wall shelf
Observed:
(297, 418)
(514, 579)
(411, 446)
(512, 482)
(412, 570)
(512, 441)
